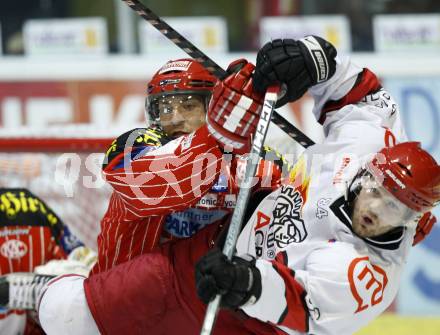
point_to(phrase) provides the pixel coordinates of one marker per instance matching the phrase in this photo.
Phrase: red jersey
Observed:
(166, 189)
(31, 234)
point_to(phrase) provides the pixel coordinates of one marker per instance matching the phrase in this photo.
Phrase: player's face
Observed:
(376, 211)
(181, 114)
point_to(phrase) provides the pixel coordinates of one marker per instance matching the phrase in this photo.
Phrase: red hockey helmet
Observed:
(410, 173)
(181, 76)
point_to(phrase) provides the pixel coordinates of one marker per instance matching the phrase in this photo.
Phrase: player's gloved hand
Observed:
(80, 261)
(297, 64)
(239, 280)
(235, 108)
(424, 227)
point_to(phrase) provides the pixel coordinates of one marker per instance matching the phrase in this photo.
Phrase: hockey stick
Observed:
(175, 37)
(243, 196)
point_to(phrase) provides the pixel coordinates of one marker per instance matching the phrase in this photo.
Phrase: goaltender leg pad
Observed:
(63, 308)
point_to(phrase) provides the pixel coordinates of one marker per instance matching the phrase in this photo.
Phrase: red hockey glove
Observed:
(234, 110)
(424, 227)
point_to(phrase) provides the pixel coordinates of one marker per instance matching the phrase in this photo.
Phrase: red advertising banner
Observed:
(64, 102)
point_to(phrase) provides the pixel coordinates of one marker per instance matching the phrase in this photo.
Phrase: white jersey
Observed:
(317, 276)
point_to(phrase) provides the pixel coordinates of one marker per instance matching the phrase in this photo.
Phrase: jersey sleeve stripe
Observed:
(281, 257)
(296, 315)
(366, 83)
(119, 181)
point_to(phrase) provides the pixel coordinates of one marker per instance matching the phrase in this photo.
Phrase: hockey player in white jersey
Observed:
(330, 247)
(321, 255)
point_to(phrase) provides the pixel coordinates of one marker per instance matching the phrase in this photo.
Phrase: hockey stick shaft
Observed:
(243, 196)
(175, 37)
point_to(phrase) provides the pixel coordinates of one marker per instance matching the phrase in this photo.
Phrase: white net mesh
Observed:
(62, 165)
(67, 177)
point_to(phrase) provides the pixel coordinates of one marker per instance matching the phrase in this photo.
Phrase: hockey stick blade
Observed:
(243, 196)
(175, 37)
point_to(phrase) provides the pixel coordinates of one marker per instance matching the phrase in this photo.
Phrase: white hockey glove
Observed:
(80, 261)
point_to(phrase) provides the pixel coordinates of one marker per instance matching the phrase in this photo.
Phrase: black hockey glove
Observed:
(296, 64)
(238, 281)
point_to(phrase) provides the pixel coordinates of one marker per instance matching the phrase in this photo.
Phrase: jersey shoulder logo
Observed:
(135, 140)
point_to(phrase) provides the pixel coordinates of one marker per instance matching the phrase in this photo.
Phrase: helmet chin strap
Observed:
(352, 190)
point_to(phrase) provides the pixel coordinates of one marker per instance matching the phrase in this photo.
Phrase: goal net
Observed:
(63, 167)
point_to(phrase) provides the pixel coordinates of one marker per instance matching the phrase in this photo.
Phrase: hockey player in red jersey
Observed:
(31, 234)
(313, 250)
(172, 180)
(163, 175)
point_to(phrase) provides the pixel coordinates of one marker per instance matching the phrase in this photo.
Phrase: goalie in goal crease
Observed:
(33, 238)
(291, 264)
